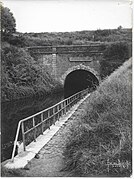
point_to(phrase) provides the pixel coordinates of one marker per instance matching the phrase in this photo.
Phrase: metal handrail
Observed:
(68, 102)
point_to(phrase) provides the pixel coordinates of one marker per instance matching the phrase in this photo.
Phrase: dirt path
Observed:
(49, 161)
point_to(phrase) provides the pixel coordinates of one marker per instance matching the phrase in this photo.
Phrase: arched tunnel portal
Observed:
(78, 80)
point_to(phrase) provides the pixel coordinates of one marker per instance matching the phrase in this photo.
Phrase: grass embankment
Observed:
(99, 144)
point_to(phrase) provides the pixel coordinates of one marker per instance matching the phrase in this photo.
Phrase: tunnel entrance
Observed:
(79, 80)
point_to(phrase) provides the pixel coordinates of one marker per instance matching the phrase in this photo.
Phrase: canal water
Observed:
(13, 112)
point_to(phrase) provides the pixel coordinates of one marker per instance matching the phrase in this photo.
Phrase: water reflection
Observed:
(13, 112)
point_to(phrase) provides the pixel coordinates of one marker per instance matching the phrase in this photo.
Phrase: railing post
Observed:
(23, 136)
(34, 130)
(42, 125)
(68, 103)
(64, 104)
(58, 107)
(76, 98)
(62, 110)
(15, 142)
(73, 100)
(54, 116)
(48, 115)
(65, 107)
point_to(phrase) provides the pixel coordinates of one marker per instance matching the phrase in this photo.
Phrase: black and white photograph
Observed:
(66, 88)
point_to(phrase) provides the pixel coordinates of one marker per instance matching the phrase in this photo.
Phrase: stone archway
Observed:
(78, 67)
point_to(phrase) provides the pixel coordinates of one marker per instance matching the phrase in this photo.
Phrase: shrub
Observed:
(22, 76)
(117, 51)
(114, 56)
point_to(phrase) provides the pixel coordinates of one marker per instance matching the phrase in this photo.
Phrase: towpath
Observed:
(49, 161)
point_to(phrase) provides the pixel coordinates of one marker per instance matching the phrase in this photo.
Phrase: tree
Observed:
(120, 27)
(8, 24)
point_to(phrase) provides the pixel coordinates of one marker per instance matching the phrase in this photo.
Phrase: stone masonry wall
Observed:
(60, 61)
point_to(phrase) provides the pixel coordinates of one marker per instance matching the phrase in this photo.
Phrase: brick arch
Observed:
(79, 67)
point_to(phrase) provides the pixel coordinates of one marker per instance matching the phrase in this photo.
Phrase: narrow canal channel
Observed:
(13, 112)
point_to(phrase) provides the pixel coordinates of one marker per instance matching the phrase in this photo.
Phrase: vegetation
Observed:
(8, 24)
(22, 76)
(103, 135)
(114, 56)
(100, 141)
(71, 38)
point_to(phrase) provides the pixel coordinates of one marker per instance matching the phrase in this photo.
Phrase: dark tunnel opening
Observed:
(79, 80)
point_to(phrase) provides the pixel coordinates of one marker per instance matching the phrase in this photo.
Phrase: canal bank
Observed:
(52, 151)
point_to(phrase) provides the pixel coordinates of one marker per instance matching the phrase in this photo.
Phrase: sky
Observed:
(69, 15)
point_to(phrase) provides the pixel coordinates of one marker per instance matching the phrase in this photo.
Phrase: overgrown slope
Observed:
(22, 76)
(100, 143)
